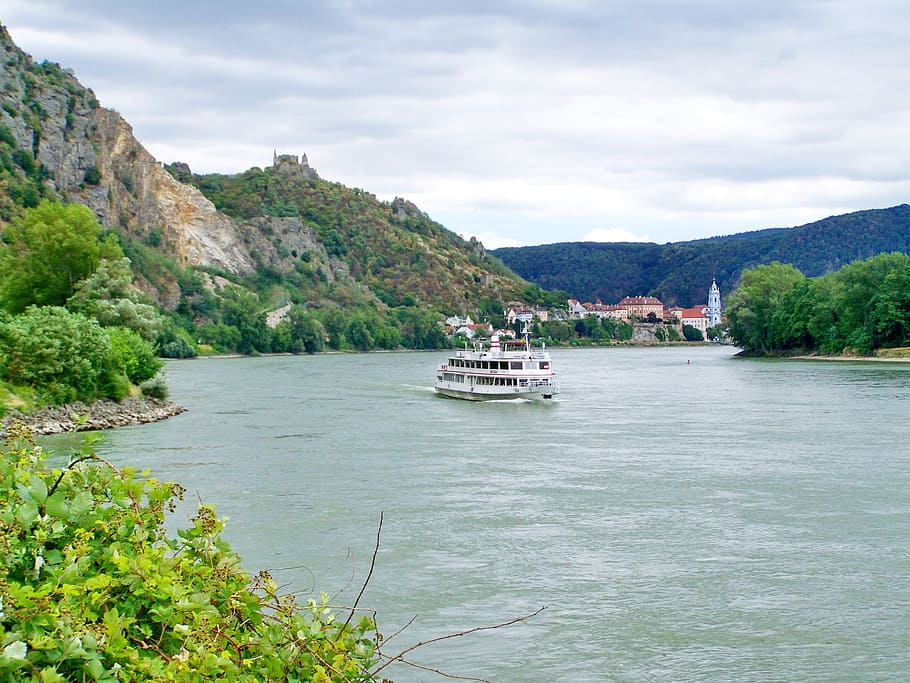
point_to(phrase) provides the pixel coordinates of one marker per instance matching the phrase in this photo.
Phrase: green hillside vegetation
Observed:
(861, 308)
(396, 251)
(680, 273)
(71, 326)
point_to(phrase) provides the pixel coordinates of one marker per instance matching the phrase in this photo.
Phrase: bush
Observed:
(92, 176)
(64, 355)
(132, 355)
(92, 587)
(156, 387)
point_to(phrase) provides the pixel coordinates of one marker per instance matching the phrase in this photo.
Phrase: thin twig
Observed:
(399, 631)
(401, 654)
(442, 673)
(369, 574)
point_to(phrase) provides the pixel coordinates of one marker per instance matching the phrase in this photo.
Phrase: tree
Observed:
(750, 308)
(108, 295)
(47, 252)
(890, 317)
(241, 309)
(358, 335)
(65, 355)
(692, 334)
(132, 355)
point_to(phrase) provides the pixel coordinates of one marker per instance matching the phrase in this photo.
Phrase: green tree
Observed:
(306, 332)
(108, 295)
(132, 355)
(692, 334)
(750, 308)
(358, 334)
(241, 309)
(47, 252)
(64, 355)
(890, 316)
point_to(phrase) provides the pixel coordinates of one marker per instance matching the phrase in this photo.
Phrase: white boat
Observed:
(511, 370)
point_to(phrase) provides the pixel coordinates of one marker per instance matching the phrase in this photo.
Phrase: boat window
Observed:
(515, 365)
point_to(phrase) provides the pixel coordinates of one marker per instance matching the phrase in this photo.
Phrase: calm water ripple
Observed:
(715, 520)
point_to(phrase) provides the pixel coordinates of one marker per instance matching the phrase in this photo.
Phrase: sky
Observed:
(518, 122)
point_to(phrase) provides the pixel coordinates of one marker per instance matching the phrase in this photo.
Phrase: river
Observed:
(681, 514)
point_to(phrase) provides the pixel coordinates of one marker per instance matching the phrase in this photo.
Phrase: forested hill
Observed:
(680, 272)
(281, 231)
(306, 227)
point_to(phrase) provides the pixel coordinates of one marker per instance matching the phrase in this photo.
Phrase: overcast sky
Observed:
(520, 122)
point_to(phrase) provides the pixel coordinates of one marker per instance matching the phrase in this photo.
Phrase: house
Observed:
(521, 314)
(694, 317)
(642, 306)
(458, 321)
(576, 310)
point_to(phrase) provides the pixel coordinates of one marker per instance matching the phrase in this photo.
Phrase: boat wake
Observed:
(414, 387)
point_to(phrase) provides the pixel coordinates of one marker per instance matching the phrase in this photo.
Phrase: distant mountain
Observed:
(681, 272)
(282, 230)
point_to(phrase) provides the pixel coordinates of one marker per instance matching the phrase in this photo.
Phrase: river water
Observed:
(681, 514)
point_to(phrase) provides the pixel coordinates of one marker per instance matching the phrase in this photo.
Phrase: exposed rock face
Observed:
(647, 333)
(49, 113)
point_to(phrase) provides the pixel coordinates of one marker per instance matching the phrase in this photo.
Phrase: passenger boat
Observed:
(510, 370)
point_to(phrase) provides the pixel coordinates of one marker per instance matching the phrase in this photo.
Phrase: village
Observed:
(644, 313)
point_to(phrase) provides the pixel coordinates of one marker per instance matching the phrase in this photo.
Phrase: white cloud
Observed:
(520, 123)
(613, 235)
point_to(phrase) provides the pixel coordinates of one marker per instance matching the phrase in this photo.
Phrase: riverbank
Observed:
(100, 415)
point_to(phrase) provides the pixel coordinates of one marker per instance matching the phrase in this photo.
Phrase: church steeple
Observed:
(714, 304)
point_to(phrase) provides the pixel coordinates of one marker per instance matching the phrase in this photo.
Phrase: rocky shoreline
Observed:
(101, 415)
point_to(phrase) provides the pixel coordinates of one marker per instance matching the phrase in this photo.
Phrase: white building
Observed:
(715, 307)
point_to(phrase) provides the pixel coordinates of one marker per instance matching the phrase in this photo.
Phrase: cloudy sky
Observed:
(520, 122)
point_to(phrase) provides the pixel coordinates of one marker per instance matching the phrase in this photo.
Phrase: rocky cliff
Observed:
(350, 246)
(91, 156)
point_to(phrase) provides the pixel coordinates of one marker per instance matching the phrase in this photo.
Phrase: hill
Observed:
(679, 273)
(282, 232)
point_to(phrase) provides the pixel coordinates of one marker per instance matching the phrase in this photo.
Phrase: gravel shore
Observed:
(101, 415)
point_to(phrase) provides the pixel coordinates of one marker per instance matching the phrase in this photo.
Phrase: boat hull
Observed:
(541, 394)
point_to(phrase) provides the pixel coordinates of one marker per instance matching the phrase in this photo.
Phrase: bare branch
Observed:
(399, 631)
(369, 574)
(400, 655)
(443, 673)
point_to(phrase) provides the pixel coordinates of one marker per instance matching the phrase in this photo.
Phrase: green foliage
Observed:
(692, 334)
(47, 252)
(108, 296)
(242, 311)
(306, 333)
(680, 273)
(751, 307)
(861, 307)
(175, 342)
(93, 587)
(63, 355)
(156, 387)
(92, 176)
(132, 355)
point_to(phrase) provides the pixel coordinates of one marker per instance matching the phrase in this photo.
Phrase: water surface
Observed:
(683, 515)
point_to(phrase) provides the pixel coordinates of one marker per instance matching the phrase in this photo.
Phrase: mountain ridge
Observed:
(60, 143)
(680, 272)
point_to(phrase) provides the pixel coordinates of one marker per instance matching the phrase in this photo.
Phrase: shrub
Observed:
(132, 355)
(92, 587)
(65, 355)
(156, 387)
(92, 176)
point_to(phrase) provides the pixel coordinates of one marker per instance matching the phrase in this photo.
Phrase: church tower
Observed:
(714, 305)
